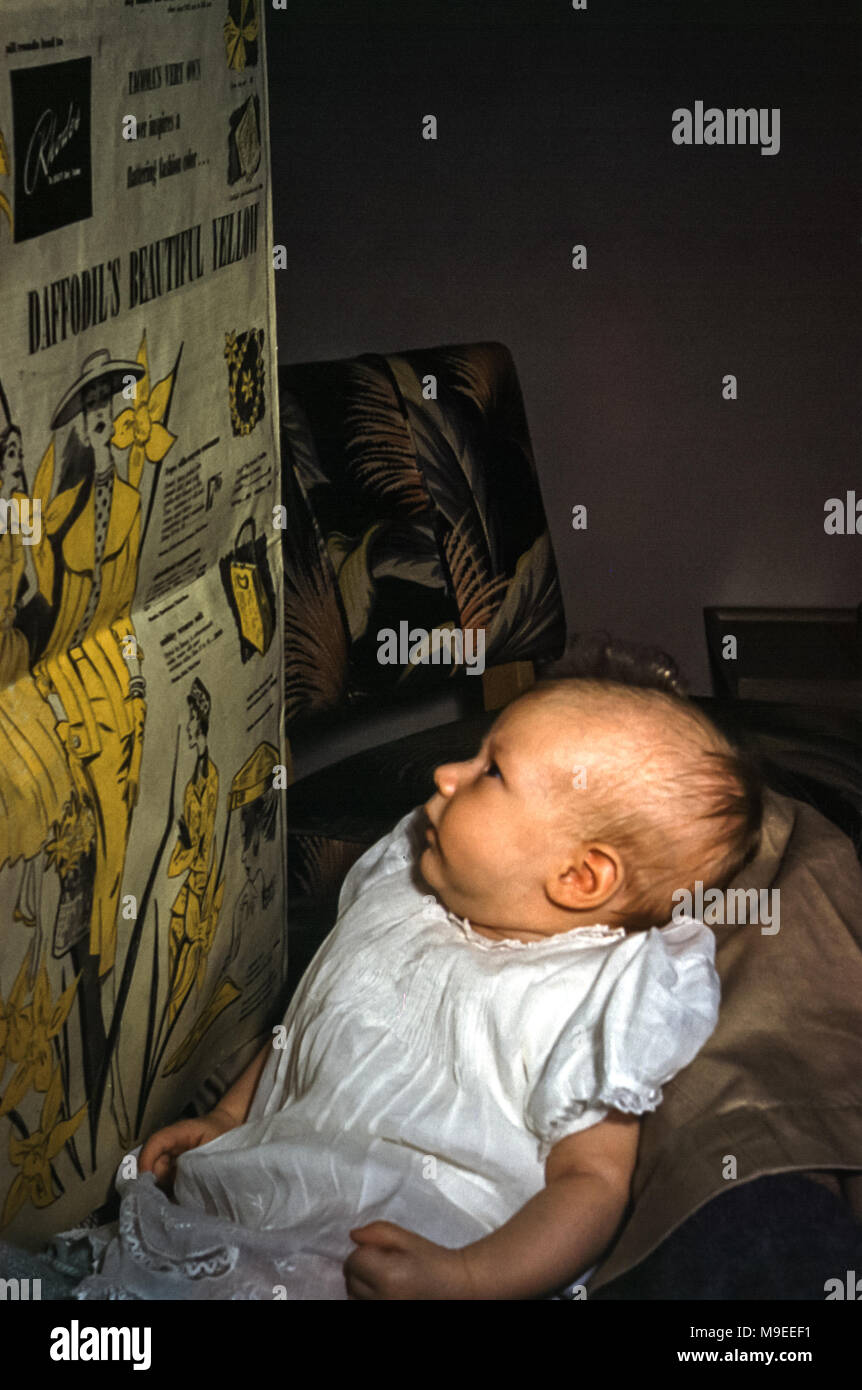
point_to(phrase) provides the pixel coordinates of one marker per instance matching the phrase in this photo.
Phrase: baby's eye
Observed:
(492, 770)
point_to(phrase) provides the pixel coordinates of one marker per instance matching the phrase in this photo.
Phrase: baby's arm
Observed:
(162, 1149)
(236, 1102)
(557, 1235)
(567, 1226)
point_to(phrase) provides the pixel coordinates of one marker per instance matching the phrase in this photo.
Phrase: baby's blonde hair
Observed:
(665, 788)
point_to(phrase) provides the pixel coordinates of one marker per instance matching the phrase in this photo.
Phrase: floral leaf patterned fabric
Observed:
(411, 493)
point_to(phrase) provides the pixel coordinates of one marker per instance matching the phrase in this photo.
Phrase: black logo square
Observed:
(53, 160)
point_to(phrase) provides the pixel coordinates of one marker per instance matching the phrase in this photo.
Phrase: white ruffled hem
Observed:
(632, 1102)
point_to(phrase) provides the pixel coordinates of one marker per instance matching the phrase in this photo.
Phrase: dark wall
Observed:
(555, 128)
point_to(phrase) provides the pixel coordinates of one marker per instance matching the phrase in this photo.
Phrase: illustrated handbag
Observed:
(255, 613)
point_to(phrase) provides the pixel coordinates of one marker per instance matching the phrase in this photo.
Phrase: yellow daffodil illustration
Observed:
(140, 428)
(237, 36)
(33, 1156)
(76, 832)
(29, 1030)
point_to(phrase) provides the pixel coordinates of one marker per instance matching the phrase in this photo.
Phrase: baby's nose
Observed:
(446, 777)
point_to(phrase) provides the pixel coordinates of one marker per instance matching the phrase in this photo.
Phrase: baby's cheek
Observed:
(480, 862)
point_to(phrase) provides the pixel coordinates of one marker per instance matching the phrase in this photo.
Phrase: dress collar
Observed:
(578, 936)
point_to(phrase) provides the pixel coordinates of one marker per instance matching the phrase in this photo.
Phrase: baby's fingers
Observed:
(363, 1273)
(358, 1290)
(161, 1166)
(150, 1154)
(163, 1147)
(383, 1234)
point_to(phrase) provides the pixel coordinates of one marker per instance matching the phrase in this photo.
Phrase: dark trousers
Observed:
(776, 1237)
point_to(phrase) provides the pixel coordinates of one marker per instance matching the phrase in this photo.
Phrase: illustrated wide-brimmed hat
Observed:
(254, 777)
(98, 367)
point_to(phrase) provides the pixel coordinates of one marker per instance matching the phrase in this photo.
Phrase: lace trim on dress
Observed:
(578, 936)
(211, 1263)
(631, 1102)
(611, 1098)
(559, 1129)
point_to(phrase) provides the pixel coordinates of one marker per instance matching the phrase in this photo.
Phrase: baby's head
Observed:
(589, 802)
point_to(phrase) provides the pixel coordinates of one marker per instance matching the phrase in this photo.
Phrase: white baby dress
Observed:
(425, 1074)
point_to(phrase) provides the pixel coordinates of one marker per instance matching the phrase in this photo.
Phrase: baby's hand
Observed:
(392, 1263)
(162, 1149)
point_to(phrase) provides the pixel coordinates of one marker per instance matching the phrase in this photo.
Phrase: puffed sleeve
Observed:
(661, 1006)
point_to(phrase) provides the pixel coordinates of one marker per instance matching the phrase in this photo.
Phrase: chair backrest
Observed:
(795, 655)
(413, 505)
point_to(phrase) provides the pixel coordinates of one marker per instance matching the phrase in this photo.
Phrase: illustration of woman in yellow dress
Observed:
(34, 773)
(192, 924)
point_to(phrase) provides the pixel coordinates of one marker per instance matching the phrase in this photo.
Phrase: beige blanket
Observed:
(778, 1087)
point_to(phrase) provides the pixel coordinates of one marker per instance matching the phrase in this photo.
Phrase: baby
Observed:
(450, 1110)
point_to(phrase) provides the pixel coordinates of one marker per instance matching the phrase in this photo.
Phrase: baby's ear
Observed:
(587, 880)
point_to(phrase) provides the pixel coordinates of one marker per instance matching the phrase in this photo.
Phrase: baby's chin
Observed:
(427, 867)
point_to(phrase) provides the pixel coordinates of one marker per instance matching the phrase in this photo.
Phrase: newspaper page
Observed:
(142, 921)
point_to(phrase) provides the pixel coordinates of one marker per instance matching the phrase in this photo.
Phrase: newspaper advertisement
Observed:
(142, 921)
